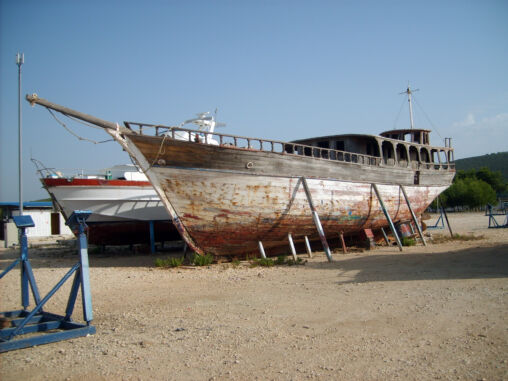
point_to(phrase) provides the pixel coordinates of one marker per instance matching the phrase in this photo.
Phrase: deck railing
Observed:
(266, 145)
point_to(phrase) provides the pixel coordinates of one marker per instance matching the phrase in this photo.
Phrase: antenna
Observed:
(409, 92)
(20, 60)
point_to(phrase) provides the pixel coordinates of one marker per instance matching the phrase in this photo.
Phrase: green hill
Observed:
(493, 161)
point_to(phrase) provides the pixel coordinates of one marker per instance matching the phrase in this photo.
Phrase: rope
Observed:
(72, 132)
(434, 128)
(398, 115)
(161, 151)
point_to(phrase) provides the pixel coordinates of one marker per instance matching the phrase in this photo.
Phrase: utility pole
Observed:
(20, 59)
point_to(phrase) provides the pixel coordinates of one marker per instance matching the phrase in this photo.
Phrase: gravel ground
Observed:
(435, 312)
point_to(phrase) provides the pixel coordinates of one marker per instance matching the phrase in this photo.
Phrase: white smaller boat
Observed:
(122, 201)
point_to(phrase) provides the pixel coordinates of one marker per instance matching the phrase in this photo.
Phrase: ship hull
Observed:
(223, 200)
(121, 210)
(227, 214)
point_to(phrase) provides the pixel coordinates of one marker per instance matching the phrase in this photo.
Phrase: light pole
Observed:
(20, 59)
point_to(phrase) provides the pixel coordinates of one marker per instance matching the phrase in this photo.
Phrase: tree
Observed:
(469, 191)
(493, 178)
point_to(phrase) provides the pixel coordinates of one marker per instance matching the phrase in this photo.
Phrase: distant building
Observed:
(47, 221)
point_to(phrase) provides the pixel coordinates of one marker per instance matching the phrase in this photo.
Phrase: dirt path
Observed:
(436, 312)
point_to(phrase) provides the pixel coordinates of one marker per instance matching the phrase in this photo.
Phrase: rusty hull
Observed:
(223, 206)
(227, 214)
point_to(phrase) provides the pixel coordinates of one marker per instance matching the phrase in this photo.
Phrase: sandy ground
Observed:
(435, 312)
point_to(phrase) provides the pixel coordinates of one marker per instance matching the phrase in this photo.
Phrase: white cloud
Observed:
(480, 135)
(498, 120)
(468, 121)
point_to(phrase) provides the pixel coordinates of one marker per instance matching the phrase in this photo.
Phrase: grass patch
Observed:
(456, 237)
(168, 262)
(282, 260)
(292, 262)
(202, 260)
(407, 241)
(264, 262)
(235, 262)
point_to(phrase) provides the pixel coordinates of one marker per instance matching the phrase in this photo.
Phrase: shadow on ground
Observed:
(59, 257)
(481, 262)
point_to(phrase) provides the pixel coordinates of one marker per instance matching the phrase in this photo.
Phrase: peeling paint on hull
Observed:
(229, 213)
(221, 206)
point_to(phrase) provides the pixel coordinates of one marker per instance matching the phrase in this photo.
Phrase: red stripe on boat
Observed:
(50, 182)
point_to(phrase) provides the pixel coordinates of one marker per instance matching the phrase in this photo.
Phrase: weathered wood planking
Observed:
(228, 213)
(177, 153)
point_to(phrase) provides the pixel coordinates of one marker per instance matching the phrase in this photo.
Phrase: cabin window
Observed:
(388, 153)
(413, 153)
(339, 145)
(289, 148)
(402, 155)
(435, 156)
(424, 154)
(372, 148)
(324, 144)
(442, 156)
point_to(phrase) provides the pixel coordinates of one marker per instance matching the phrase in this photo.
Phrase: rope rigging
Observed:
(72, 132)
(398, 115)
(434, 128)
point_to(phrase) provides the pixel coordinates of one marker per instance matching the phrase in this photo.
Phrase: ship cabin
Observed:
(402, 148)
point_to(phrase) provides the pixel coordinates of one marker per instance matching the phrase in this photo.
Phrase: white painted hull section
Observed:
(111, 203)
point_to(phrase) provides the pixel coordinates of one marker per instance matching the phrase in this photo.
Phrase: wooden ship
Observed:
(232, 195)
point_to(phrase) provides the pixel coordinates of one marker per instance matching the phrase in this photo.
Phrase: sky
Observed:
(281, 70)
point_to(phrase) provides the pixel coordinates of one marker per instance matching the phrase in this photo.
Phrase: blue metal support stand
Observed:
(492, 219)
(38, 321)
(440, 221)
(152, 238)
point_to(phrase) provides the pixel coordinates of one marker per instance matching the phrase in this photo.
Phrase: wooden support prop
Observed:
(307, 246)
(317, 222)
(261, 249)
(446, 217)
(344, 248)
(387, 215)
(413, 215)
(385, 237)
(292, 246)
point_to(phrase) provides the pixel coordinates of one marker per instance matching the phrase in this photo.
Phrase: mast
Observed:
(409, 92)
(34, 99)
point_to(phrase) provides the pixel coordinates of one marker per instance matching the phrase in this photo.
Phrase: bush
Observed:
(281, 259)
(168, 262)
(469, 192)
(265, 262)
(299, 261)
(202, 260)
(407, 241)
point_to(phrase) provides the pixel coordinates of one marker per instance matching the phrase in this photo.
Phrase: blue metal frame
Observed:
(439, 223)
(492, 219)
(25, 321)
